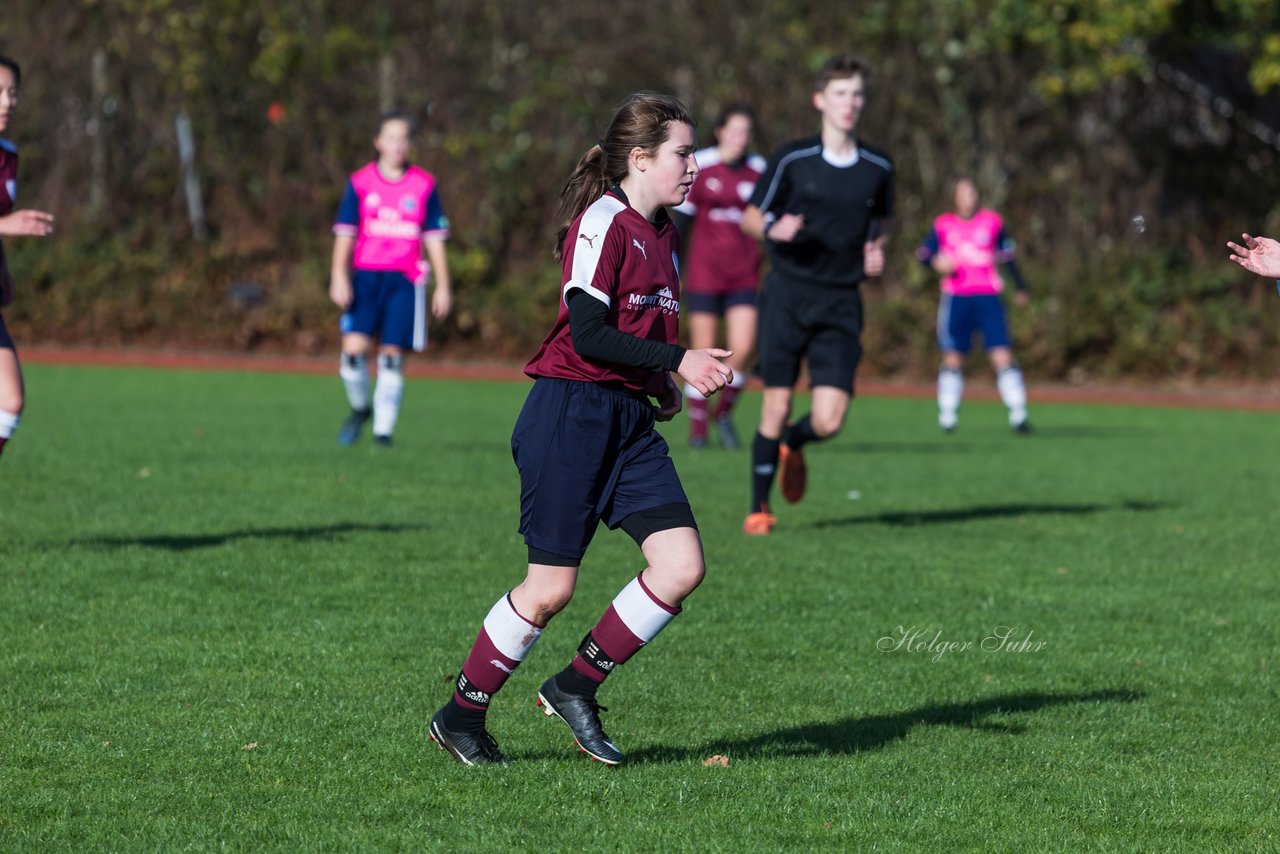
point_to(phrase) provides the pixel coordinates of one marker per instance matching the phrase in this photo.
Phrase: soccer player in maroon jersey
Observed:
(13, 223)
(721, 271)
(585, 443)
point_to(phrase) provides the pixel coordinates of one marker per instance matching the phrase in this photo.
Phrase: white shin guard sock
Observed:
(8, 423)
(354, 371)
(1013, 393)
(950, 392)
(387, 394)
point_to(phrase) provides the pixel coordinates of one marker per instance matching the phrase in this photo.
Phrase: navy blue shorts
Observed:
(960, 316)
(587, 454)
(5, 340)
(389, 307)
(719, 304)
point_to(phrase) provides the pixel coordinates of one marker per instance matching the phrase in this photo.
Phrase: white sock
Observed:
(387, 394)
(950, 391)
(8, 423)
(354, 371)
(1013, 393)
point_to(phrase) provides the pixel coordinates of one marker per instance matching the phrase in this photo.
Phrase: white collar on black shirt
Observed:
(838, 161)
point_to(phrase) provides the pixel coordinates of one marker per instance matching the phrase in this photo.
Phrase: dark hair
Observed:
(731, 110)
(840, 67)
(396, 116)
(642, 121)
(12, 66)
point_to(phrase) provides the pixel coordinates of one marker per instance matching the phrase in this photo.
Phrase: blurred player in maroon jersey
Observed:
(585, 443)
(13, 223)
(721, 274)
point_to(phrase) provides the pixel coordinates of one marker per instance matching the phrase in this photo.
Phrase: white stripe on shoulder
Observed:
(782, 167)
(8, 146)
(707, 157)
(758, 163)
(589, 243)
(877, 160)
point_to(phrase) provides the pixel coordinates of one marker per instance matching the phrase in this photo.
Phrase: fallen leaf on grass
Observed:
(253, 745)
(717, 760)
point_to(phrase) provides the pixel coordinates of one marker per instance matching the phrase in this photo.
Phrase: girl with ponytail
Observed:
(585, 443)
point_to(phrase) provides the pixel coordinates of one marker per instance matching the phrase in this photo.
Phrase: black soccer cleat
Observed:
(728, 435)
(1023, 427)
(582, 714)
(381, 441)
(352, 426)
(469, 749)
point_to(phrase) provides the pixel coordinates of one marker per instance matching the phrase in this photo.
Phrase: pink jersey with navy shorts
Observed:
(616, 256)
(389, 219)
(8, 186)
(721, 258)
(976, 245)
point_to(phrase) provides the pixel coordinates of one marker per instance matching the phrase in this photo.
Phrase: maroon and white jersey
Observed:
(721, 259)
(616, 256)
(8, 185)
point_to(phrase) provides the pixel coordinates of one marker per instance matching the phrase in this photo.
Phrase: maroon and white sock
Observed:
(696, 405)
(728, 395)
(504, 641)
(633, 619)
(8, 423)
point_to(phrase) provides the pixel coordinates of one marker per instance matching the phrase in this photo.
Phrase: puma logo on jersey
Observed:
(590, 240)
(637, 244)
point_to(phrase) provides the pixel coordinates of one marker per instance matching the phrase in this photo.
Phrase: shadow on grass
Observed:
(908, 518)
(855, 735)
(182, 543)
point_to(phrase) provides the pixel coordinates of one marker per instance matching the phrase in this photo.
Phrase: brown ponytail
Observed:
(642, 122)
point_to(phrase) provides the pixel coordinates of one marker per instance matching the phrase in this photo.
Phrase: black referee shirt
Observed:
(838, 204)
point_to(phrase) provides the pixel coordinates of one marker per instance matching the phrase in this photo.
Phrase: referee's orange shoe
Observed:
(793, 475)
(759, 524)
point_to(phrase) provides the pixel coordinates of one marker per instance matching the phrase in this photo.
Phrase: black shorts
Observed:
(6, 341)
(800, 321)
(719, 304)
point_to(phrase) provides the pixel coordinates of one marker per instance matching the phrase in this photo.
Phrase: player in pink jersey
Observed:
(390, 210)
(722, 267)
(965, 247)
(13, 223)
(585, 443)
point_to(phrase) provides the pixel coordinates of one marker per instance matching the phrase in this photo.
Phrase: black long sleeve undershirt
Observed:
(593, 338)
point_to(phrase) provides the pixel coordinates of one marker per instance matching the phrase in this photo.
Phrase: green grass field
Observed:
(221, 631)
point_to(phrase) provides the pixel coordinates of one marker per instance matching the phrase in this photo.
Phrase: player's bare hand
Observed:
(441, 303)
(670, 401)
(27, 223)
(872, 258)
(340, 291)
(703, 369)
(785, 228)
(1259, 255)
(944, 264)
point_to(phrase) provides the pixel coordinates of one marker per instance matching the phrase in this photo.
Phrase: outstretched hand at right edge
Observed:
(703, 369)
(1259, 255)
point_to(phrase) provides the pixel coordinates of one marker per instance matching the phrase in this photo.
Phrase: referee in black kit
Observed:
(822, 209)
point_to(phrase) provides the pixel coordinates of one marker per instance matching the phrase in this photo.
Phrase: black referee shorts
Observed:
(799, 321)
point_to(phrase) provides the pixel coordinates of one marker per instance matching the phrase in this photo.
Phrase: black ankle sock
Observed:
(800, 434)
(571, 681)
(458, 718)
(764, 464)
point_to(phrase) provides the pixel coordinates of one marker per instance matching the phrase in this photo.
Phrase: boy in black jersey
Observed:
(822, 209)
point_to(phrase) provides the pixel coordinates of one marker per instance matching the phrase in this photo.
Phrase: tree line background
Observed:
(1123, 142)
